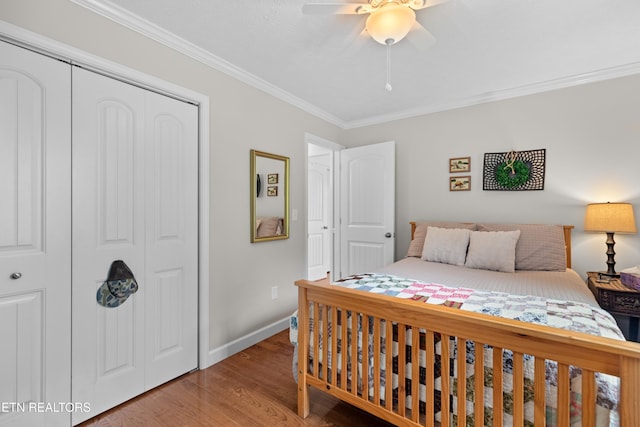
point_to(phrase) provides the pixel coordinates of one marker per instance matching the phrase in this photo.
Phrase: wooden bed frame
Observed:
(592, 354)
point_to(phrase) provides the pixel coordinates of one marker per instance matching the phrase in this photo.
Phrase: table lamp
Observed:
(610, 218)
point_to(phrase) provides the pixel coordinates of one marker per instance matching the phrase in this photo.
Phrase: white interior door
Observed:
(367, 205)
(135, 199)
(319, 215)
(35, 238)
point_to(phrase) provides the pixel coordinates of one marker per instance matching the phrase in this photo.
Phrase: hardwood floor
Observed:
(252, 388)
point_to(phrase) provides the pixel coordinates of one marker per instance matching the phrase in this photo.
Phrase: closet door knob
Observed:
(16, 276)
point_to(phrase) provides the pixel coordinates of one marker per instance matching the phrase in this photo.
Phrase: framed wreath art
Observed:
(514, 170)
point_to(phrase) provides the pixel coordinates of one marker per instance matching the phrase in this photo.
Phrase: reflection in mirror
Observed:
(269, 197)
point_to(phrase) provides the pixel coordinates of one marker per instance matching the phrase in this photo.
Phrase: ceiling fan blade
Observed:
(336, 8)
(356, 41)
(423, 4)
(420, 37)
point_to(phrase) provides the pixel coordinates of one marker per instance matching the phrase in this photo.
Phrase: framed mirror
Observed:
(269, 177)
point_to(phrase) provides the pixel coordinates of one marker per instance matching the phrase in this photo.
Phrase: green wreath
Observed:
(512, 174)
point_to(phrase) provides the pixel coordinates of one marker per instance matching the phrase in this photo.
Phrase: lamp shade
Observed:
(610, 217)
(390, 23)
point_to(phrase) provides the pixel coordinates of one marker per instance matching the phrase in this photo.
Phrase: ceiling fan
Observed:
(389, 21)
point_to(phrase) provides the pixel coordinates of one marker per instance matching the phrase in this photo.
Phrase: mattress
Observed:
(564, 285)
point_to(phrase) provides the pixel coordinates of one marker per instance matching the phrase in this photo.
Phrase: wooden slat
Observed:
(498, 406)
(377, 367)
(564, 397)
(402, 365)
(588, 398)
(334, 346)
(354, 353)
(388, 390)
(316, 339)
(415, 374)
(325, 341)
(445, 376)
(303, 353)
(629, 391)
(567, 243)
(344, 378)
(430, 378)
(539, 385)
(365, 357)
(478, 372)
(461, 395)
(518, 390)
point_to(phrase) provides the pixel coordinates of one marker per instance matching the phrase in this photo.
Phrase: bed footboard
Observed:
(358, 368)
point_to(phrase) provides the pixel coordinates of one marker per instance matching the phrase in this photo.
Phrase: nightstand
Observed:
(616, 298)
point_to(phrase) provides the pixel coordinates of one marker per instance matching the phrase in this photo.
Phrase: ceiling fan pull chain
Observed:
(388, 85)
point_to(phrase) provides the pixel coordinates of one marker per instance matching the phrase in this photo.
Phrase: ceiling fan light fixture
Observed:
(390, 23)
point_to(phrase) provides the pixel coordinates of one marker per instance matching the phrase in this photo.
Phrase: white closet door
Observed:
(134, 198)
(35, 238)
(108, 224)
(171, 191)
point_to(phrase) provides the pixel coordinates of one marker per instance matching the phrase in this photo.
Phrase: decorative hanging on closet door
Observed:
(119, 286)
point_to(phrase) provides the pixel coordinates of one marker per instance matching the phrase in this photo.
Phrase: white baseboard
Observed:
(218, 354)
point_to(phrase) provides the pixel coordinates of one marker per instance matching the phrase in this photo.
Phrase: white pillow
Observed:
(493, 250)
(446, 245)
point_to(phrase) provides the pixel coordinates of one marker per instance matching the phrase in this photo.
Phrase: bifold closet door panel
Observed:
(135, 198)
(171, 190)
(108, 224)
(35, 239)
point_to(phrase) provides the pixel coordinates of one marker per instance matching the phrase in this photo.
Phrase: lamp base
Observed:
(611, 262)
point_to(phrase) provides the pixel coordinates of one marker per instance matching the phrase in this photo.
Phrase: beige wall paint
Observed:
(591, 133)
(241, 118)
(592, 137)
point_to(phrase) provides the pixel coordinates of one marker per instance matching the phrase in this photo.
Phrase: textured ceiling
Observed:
(485, 49)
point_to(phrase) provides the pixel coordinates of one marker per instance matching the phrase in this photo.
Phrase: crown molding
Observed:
(134, 22)
(503, 94)
(123, 17)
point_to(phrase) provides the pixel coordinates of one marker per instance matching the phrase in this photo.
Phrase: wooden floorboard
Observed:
(252, 388)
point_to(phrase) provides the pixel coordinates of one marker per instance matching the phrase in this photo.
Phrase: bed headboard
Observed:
(567, 239)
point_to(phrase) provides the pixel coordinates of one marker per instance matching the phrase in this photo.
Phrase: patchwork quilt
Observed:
(568, 315)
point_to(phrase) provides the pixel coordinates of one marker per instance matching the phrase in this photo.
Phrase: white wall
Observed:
(592, 138)
(242, 118)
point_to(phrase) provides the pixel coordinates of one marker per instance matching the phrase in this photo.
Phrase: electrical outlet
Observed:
(274, 292)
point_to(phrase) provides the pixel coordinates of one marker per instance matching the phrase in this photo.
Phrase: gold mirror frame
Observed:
(272, 182)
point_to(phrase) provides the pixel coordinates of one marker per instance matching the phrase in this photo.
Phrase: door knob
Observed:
(16, 276)
(388, 235)
(324, 227)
